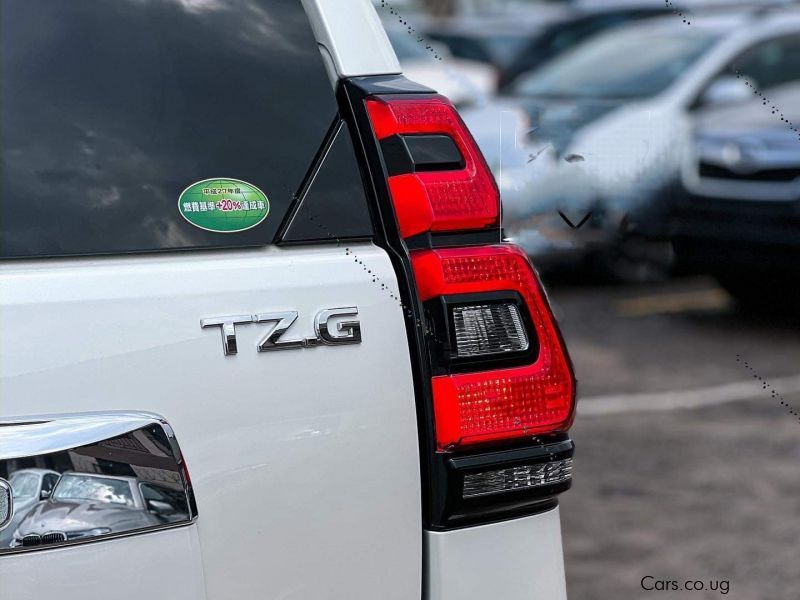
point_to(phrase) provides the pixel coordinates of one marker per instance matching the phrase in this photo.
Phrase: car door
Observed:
(155, 328)
(49, 481)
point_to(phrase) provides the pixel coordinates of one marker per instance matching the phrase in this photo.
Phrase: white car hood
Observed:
(616, 159)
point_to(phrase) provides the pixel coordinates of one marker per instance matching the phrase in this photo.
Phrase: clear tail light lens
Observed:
(488, 329)
(521, 477)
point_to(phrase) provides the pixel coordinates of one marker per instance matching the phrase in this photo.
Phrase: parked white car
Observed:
(603, 128)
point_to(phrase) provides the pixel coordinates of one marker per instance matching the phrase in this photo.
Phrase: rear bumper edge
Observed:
(514, 560)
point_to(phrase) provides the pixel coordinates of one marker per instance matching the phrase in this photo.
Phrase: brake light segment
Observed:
(471, 408)
(449, 199)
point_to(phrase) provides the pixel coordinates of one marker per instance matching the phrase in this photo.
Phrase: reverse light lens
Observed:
(471, 408)
(488, 329)
(443, 200)
(517, 478)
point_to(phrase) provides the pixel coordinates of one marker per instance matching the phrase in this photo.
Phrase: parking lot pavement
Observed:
(710, 492)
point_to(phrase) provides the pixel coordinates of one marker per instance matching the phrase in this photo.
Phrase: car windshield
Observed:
(24, 485)
(504, 48)
(406, 47)
(498, 48)
(98, 489)
(633, 63)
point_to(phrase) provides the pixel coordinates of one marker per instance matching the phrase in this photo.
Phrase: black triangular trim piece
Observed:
(311, 172)
(333, 205)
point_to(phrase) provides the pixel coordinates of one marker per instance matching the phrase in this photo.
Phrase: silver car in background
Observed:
(86, 505)
(738, 214)
(603, 129)
(28, 487)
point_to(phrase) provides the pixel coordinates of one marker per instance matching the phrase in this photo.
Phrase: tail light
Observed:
(499, 403)
(494, 382)
(460, 196)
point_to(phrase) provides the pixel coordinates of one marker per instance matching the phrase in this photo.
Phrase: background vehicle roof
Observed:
(728, 22)
(679, 4)
(34, 470)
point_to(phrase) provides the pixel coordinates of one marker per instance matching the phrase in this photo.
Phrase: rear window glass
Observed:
(110, 109)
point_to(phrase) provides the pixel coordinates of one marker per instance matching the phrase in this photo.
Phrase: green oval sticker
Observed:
(223, 205)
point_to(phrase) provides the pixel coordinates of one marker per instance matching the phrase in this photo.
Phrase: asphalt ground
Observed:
(686, 467)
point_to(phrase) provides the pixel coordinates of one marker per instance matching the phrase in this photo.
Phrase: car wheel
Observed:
(770, 291)
(636, 259)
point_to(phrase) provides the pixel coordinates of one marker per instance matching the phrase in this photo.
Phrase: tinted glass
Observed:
(167, 504)
(93, 488)
(24, 485)
(561, 36)
(334, 207)
(771, 63)
(405, 47)
(111, 108)
(629, 63)
(462, 46)
(48, 482)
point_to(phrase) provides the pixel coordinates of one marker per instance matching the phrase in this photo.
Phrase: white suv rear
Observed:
(256, 310)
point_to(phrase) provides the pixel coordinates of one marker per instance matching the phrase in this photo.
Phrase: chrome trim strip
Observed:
(119, 473)
(30, 436)
(93, 540)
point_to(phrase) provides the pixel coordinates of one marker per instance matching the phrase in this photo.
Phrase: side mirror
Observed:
(727, 89)
(45, 494)
(159, 507)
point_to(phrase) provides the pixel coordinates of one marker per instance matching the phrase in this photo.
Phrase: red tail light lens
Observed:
(471, 408)
(494, 385)
(436, 200)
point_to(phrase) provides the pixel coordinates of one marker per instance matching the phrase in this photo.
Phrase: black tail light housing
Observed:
(494, 383)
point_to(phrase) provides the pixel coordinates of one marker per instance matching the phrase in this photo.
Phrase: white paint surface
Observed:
(304, 462)
(160, 565)
(521, 559)
(352, 35)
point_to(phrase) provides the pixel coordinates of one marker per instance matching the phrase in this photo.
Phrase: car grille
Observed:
(717, 172)
(54, 537)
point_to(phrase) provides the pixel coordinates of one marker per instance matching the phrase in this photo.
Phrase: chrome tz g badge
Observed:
(345, 331)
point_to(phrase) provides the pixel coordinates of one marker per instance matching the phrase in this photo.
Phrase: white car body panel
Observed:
(521, 558)
(298, 458)
(352, 37)
(166, 564)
